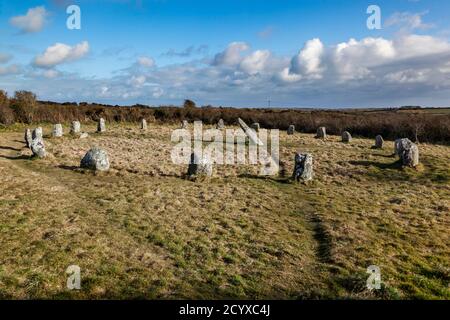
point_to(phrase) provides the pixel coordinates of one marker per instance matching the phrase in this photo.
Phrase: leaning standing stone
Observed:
(37, 134)
(199, 166)
(184, 124)
(255, 126)
(101, 127)
(321, 133)
(346, 137)
(38, 148)
(379, 142)
(28, 138)
(75, 128)
(303, 170)
(95, 159)
(57, 131)
(291, 130)
(143, 124)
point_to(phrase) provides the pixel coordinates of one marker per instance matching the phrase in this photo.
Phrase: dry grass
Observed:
(142, 231)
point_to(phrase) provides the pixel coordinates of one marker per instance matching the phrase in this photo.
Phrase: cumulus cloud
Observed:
(309, 59)
(33, 21)
(61, 53)
(231, 55)
(255, 62)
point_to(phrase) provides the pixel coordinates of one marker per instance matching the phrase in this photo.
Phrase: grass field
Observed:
(143, 231)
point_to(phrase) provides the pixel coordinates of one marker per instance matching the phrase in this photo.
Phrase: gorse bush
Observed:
(424, 125)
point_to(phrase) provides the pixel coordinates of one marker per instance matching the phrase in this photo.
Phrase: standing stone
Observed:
(346, 137)
(291, 130)
(303, 170)
(143, 124)
(200, 166)
(321, 133)
(220, 124)
(28, 138)
(84, 135)
(379, 142)
(407, 151)
(410, 156)
(75, 128)
(37, 148)
(95, 159)
(57, 130)
(101, 127)
(255, 126)
(184, 124)
(251, 134)
(37, 134)
(400, 145)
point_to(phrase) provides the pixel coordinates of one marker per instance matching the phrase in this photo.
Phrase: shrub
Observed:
(24, 105)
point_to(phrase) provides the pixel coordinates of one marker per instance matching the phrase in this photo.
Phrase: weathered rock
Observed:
(95, 159)
(410, 156)
(321, 133)
(143, 124)
(220, 124)
(407, 151)
(37, 148)
(200, 166)
(84, 135)
(251, 134)
(379, 142)
(75, 127)
(291, 130)
(400, 145)
(28, 138)
(184, 124)
(346, 137)
(37, 134)
(101, 127)
(57, 130)
(255, 126)
(303, 170)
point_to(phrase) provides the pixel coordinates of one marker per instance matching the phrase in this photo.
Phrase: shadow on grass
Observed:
(394, 165)
(21, 157)
(9, 148)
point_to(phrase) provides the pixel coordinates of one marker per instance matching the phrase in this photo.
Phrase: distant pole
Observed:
(268, 103)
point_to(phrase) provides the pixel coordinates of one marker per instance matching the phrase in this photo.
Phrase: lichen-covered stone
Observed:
(37, 134)
(57, 131)
(101, 126)
(95, 159)
(28, 138)
(75, 127)
(84, 135)
(184, 124)
(200, 166)
(321, 133)
(291, 130)
(303, 170)
(37, 148)
(346, 137)
(407, 151)
(379, 141)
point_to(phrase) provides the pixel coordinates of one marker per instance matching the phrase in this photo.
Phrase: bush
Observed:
(24, 105)
(6, 113)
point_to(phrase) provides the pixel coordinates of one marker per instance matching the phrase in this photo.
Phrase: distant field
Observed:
(142, 231)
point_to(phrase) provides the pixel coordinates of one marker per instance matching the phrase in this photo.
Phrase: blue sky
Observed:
(304, 53)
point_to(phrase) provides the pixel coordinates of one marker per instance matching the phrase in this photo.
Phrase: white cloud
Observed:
(137, 81)
(146, 62)
(61, 53)
(231, 56)
(308, 61)
(12, 69)
(255, 62)
(408, 21)
(408, 76)
(33, 21)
